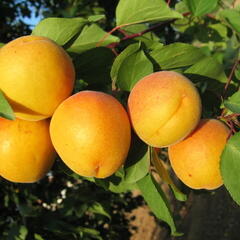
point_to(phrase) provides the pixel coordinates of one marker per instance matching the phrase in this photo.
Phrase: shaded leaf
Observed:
(60, 30)
(93, 66)
(230, 167)
(89, 38)
(80, 211)
(50, 223)
(221, 29)
(138, 162)
(26, 211)
(157, 201)
(176, 55)
(17, 232)
(5, 108)
(164, 175)
(233, 102)
(139, 11)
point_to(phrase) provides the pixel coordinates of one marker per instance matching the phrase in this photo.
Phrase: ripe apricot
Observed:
(164, 107)
(91, 133)
(195, 160)
(26, 151)
(36, 75)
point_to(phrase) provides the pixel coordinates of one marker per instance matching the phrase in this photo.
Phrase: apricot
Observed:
(195, 160)
(26, 151)
(164, 107)
(91, 132)
(36, 75)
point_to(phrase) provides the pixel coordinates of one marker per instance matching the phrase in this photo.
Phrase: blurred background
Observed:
(18, 17)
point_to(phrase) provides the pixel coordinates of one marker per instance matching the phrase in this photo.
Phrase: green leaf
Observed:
(37, 237)
(156, 200)
(177, 55)
(90, 37)
(134, 67)
(201, 7)
(230, 166)
(164, 175)
(237, 72)
(208, 67)
(150, 39)
(233, 102)
(138, 162)
(96, 18)
(181, 7)
(79, 211)
(116, 183)
(17, 232)
(23, 233)
(60, 30)
(99, 208)
(220, 29)
(93, 66)
(232, 16)
(121, 186)
(139, 11)
(26, 210)
(90, 231)
(5, 108)
(121, 57)
(1, 45)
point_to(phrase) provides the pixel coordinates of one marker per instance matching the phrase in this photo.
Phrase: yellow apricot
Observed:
(26, 151)
(36, 75)
(195, 160)
(164, 107)
(91, 133)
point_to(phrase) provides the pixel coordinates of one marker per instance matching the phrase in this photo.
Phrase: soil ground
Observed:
(206, 215)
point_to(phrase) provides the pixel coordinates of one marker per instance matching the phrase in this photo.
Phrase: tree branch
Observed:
(127, 37)
(135, 34)
(230, 77)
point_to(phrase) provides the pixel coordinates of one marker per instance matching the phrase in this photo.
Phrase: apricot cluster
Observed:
(165, 110)
(36, 75)
(90, 130)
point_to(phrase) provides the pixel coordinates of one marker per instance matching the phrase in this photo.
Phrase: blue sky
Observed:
(32, 21)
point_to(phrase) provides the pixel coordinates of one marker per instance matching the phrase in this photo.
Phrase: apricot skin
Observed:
(36, 75)
(91, 133)
(26, 151)
(164, 107)
(195, 160)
